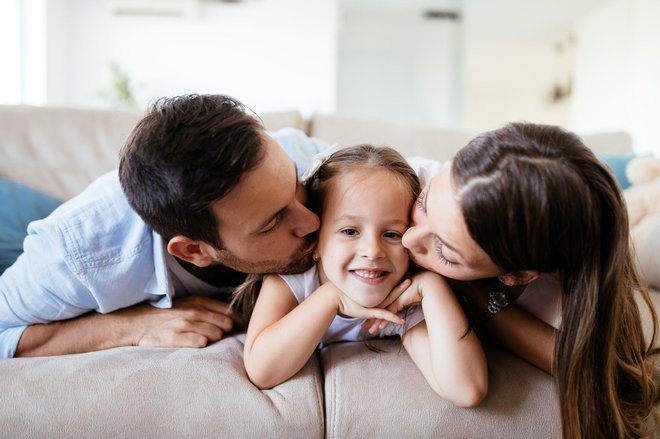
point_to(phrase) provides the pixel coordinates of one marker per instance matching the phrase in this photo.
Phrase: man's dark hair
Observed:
(185, 154)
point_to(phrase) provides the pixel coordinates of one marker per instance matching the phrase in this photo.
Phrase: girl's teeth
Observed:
(368, 274)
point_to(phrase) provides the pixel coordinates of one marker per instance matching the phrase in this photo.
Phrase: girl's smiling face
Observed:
(364, 218)
(438, 239)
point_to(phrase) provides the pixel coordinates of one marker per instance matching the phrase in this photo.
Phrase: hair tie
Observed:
(319, 159)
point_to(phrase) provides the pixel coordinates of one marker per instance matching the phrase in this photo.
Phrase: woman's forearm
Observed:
(519, 332)
(526, 336)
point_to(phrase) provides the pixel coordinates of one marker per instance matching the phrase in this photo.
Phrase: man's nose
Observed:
(305, 221)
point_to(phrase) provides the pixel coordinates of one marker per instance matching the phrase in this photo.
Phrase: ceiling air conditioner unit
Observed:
(163, 8)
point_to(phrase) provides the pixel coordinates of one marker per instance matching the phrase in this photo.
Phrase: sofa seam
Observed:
(320, 407)
(334, 398)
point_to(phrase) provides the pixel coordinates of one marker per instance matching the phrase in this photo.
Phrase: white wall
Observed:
(508, 70)
(271, 54)
(10, 32)
(395, 64)
(618, 71)
(283, 54)
(23, 51)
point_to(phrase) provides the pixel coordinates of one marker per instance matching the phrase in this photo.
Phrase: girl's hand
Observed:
(395, 293)
(374, 325)
(412, 292)
(348, 307)
(415, 291)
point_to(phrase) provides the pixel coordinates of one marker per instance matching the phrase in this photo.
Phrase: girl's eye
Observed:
(392, 235)
(349, 232)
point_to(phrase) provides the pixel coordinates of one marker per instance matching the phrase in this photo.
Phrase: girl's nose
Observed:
(370, 247)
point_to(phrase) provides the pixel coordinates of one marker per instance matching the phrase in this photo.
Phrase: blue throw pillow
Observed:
(617, 163)
(19, 206)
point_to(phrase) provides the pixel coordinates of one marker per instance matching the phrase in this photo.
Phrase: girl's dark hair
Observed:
(186, 153)
(350, 158)
(534, 197)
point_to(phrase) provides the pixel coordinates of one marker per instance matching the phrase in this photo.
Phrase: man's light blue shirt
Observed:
(94, 253)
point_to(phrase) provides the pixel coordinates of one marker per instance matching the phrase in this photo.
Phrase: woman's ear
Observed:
(519, 278)
(195, 252)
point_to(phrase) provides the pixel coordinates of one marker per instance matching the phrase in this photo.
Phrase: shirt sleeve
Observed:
(39, 288)
(300, 147)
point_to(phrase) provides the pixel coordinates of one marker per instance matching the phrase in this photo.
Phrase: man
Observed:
(203, 194)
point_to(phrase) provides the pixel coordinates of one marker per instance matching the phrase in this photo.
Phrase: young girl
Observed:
(363, 196)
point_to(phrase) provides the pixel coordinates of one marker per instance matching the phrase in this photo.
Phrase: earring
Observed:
(501, 279)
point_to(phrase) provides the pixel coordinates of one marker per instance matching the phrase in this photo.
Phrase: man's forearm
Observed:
(89, 332)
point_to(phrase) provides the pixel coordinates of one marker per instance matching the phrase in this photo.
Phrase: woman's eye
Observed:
(444, 261)
(441, 257)
(420, 201)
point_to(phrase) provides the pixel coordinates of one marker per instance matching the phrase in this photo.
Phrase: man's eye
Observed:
(272, 226)
(349, 232)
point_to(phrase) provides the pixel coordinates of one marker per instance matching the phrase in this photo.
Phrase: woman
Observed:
(530, 204)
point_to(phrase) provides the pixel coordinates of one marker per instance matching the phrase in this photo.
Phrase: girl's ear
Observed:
(519, 278)
(195, 252)
(316, 256)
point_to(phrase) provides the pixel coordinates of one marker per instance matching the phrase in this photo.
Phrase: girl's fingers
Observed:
(368, 324)
(395, 293)
(389, 316)
(372, 326)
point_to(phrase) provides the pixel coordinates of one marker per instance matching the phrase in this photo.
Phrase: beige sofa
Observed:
(346, 391)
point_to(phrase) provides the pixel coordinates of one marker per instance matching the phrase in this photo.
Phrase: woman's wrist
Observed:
(475, 292)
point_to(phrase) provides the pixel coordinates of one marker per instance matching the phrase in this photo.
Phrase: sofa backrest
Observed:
(59, 151)
(431, 142)
(409, 140)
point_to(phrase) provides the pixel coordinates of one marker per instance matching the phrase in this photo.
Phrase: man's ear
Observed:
(519, 278)
(195, 252)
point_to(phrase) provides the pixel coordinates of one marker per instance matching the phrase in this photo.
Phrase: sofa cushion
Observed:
(165, 393)
(618, 163)
(382, 394)
(646, 237)
(59, 151)
(20, 206)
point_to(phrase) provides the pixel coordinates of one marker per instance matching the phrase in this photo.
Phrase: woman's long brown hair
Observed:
(535, 197)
